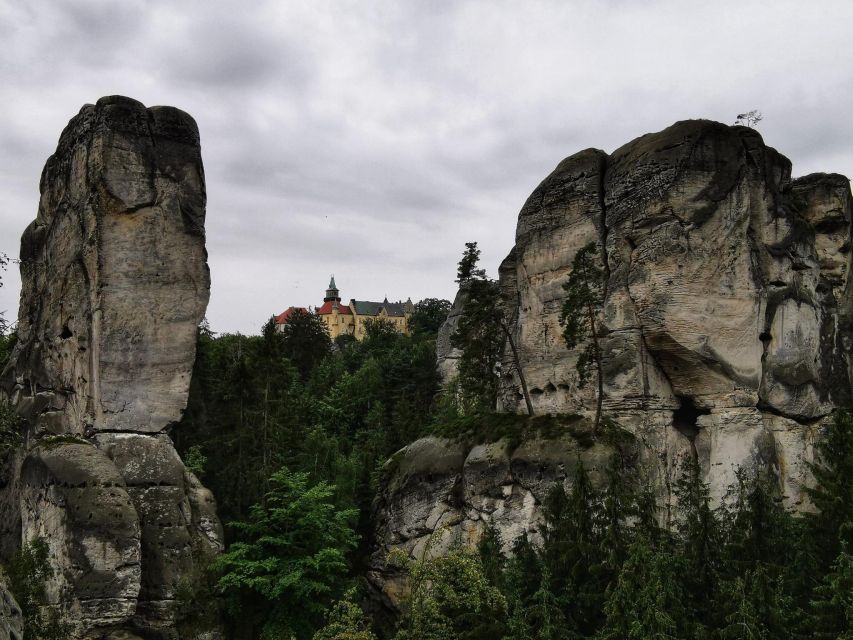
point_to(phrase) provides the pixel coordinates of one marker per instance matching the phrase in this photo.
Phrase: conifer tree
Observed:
(832, 604)
(699, 538)
(571, 552)
(481, 333)
(586, 290)
(833, 491)
(647, 602)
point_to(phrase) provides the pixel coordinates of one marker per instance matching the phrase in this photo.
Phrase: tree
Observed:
(646, 603)
(4, 262)
(572, 551)
(29, 570)
(306, 341)
(483, 329)
(586, 289)
(450, 598)
(832, 606)
(699, 537)
(291, 560)
(429, 315)
(467, 269)
(832, 494)
(749, 119)
(346, 621)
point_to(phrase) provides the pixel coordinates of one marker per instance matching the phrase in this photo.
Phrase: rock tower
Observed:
(726, 335)
(115, 282)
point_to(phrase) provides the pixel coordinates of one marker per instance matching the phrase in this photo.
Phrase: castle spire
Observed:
(332, 292)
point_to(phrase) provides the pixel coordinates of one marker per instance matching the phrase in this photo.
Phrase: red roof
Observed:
(283, 317)
(326, 309)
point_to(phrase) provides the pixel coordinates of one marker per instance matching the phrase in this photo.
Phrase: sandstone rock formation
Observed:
(727, 319)
(456, 488)
(115, 282)
(11, 621)
(728, 303)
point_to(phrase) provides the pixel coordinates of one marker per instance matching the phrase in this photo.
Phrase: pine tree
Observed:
(491, 555)
(586, 290)
(699, 539)
(754, 597)
(291, 560)
(482, 331)
(647, 602)
(572, 554)
(833, 491)
(832, 605)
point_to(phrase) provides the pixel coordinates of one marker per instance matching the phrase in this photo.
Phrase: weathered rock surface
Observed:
(115, 281)
(454, 490)
(726, 330)
(11, 621)
(447, 355)
(726, 319)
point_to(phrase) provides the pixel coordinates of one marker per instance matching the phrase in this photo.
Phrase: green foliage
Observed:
(4, 262)
(195, 460)
(28, 571)
(647, 602)
(467, 269)
(10, 429)
(585, 293)
(480, 337)
(346, 621)
(833, 491)
(451, 598)
(305, 341)
(832, 604)
(291, 560)
(429, 315)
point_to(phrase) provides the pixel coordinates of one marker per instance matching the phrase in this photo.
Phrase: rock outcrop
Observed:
(114, 283)
(457, 487)
(726, 330)
(726, 318)
(11, 620)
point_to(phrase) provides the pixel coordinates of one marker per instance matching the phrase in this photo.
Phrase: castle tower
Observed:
(332, 293)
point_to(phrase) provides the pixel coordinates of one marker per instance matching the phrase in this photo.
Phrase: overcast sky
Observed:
(373, 139)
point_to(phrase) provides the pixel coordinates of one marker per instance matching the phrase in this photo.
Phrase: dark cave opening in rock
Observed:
(686, 417)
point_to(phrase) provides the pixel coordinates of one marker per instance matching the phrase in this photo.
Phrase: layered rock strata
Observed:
(438, 492)
(114, 283)
(726, 327)
(727, 318)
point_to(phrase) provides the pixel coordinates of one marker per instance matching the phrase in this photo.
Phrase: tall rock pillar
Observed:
(115, 281)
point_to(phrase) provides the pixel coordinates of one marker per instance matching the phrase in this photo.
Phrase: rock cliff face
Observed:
(11, 621)
(727, 320)
(115, 281)
(727, 314)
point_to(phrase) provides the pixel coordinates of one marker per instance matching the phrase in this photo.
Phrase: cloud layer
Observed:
(373, 139)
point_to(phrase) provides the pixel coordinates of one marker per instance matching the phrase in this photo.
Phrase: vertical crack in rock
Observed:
(114, 283)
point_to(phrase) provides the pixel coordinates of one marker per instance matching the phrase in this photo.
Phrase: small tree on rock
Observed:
(580, 317)
(483, 330)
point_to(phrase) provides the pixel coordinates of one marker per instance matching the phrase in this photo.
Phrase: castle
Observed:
(350, 319)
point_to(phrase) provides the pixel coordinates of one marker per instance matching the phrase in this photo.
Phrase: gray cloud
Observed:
(373, 139)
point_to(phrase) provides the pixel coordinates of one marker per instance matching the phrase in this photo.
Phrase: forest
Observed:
(290, 431)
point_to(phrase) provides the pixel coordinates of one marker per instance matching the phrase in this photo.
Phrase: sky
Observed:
(372, 139)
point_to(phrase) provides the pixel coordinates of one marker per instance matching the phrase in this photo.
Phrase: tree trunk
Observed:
(596, 354)
(519, 369)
